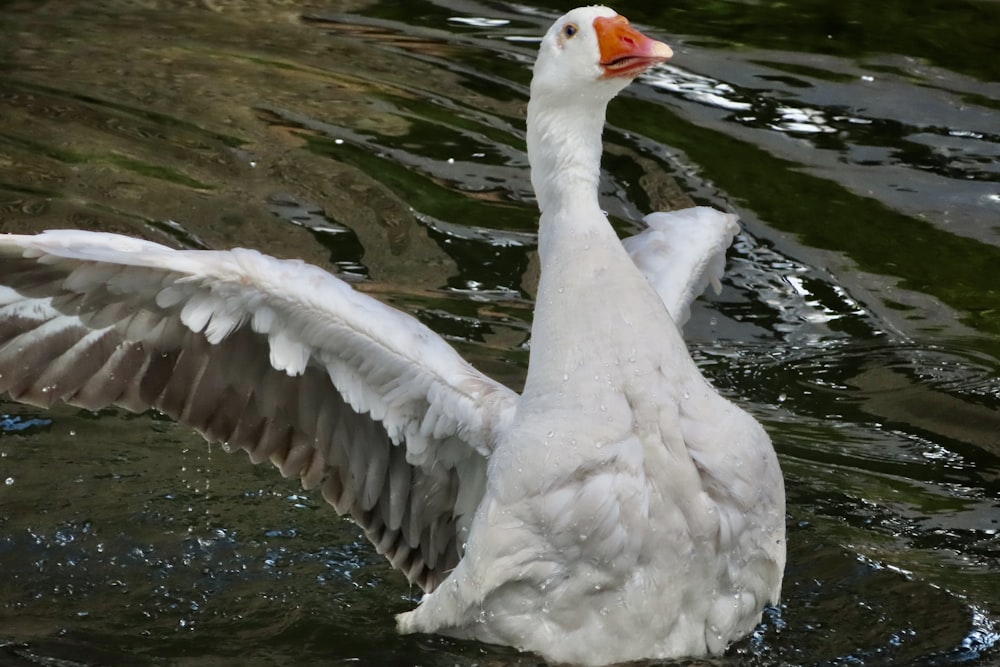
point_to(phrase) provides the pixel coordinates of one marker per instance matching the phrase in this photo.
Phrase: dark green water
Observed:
(859, 320)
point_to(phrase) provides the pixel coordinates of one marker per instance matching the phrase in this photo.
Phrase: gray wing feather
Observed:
(275, 358)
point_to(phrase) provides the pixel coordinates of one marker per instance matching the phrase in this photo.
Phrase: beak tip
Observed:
(661, 50)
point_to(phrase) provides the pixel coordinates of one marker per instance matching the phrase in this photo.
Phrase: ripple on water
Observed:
(391, 147)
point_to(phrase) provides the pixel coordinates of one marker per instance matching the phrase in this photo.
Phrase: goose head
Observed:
(589, 55)
(585, 59)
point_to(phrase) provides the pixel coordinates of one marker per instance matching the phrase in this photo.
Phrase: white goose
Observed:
(618, 509)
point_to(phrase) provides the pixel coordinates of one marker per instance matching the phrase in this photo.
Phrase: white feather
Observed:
(683, 252)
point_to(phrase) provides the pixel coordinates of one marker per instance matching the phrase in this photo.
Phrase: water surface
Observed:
(859, 320)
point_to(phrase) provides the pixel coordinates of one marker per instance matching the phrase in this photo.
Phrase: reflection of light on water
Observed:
(494, 237)
(818, 313)
(985, 633)
(478, 21)
(791, 119)
(695, 87)
(12, 423)
(854, 120)
(966, 134)
(520, 39)
(712, 92)
(801, 301)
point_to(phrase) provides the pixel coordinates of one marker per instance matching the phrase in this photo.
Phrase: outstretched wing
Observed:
(681, 253)
(275, 357)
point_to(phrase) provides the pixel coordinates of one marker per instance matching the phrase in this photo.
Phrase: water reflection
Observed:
(946, 150)
(858, 318)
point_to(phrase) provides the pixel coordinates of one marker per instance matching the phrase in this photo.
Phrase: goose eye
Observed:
(570, 30)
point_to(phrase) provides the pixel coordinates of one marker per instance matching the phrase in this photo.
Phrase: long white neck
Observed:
(584, 267)
(564, 149)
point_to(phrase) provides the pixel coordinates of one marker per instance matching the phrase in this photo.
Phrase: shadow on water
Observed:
(859, 319)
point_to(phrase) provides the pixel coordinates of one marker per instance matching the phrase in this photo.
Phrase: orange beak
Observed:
(624, 50)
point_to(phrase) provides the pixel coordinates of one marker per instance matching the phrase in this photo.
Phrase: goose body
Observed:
(618, 509)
